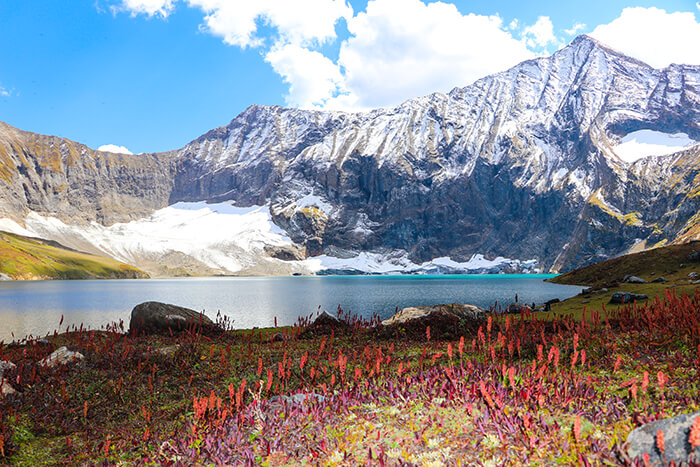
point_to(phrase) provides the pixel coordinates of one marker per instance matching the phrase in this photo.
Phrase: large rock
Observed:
(516, 308)
(626, 297)
(676, 431)
(444, 320)
(694, 256)
(157, 317)
(325, 323)
(61, 356)
(633, 280)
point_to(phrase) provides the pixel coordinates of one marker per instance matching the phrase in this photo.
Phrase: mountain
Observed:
(559, 162)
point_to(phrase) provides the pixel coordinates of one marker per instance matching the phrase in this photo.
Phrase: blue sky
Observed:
(152, 75)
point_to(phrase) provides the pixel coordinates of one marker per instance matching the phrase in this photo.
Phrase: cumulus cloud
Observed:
(114, 148)
(405, 48)
(576, 28)
(540, 34)
(654, 36)
(4, 92)
(314, 80)
(237, 21)
(397, 49)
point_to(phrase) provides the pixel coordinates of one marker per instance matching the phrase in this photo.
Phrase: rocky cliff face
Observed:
(522, 164)
(58, 177)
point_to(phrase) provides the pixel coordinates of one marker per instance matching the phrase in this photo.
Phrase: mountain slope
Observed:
(29, 258)
(59, 177)
(522, 164)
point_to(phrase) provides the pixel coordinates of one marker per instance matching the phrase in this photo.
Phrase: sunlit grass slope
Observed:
(26, 258)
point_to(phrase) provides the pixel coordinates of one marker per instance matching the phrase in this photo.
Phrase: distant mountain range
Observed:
(559, 162)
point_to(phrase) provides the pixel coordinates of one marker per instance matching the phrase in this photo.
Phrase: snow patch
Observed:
(222, 236)
(8, 225)
(316, 201)
(397, 262)
(645, 143)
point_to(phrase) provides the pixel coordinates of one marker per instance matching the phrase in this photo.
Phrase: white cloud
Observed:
(400, 49)
(4, 92)
(541, 33)
(237, 21)
(313, 79)
(575, 29)
(397, 49)
(114, 148)
(149, 7)
(653, 36)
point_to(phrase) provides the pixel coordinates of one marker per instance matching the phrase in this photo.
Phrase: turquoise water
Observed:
(36, 307)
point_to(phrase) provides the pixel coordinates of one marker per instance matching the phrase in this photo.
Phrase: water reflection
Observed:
(36, 307)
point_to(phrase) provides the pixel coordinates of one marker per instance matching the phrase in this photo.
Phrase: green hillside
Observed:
(605, 278)
(25, 258)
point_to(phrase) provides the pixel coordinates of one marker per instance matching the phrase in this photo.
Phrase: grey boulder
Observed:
(61, 356)
(516, 308)
(633, 280)
(625, 297)
(157, 317)
(444, 320)
(676, 432)
(325, 323)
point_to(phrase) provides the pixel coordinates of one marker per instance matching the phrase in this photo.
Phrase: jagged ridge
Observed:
(520, 164)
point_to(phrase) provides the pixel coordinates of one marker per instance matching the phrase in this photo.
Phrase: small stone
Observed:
(298, 398)
(693, 276)
(659, 280)
(694, 256)
(5, 366)
(168, 351)
(278, 337)
(61, 356)
(5, 388)
(676, 431)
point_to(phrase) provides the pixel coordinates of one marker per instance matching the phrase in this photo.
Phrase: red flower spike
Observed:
(645, 382)
(577, 428)
(660, 441)
(694, 437)
(661, 379)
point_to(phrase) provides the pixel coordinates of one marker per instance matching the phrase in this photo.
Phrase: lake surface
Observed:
(35, 307)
